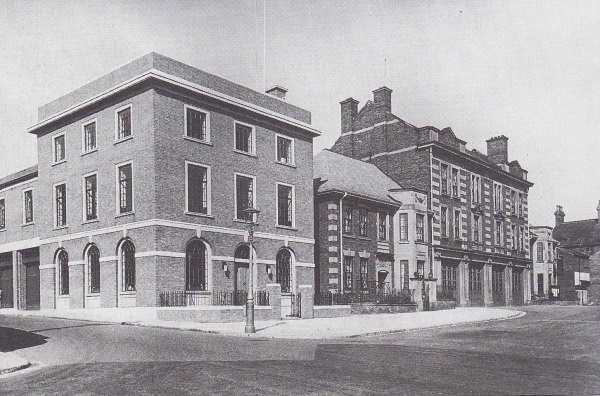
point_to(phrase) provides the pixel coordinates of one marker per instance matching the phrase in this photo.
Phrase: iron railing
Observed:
(182, 298)
(392, 297)
(446, 295)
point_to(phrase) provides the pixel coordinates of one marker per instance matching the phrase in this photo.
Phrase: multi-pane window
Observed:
(521, 239)
(420, 227)
(540, 284)
(89, 136)
(513, 202)
(444, 221)
(448, 277)
(364, 273)
(550, 255)
(444, 174)
(197, 189)
(283, 270)
(517, 282)
(28, 206)
(348, 273)
(362, 221)
(285, 205)
(124, 123)
(475, 278)
(196, 268)
(63, 273)
(125, 188)
(285, 150)
(513, 236)
(404, 226)
(60, 196)
(93, 263)
(498, 233)
(497, 280)
(244, 196)
(497, 197)
(196, 124)
(475, 189)
(382, 225)
(2, 214)
(456, 224)
(405, 274)
(455, 182)
(347, 220)
(520, 204)
(540, 252)
(128, 265)
(244, 138)
(421, 268)
(59, 148)
(91, 197)
(476, 228)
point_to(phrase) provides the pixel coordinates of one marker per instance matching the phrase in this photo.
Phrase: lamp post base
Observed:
(250, 317)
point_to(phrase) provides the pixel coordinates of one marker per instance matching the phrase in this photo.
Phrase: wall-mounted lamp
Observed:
(225, 267)
(269, 270)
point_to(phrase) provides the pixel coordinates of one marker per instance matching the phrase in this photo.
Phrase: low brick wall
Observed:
(368, 309)
(211, 314)
(441, 305)
(331, 311)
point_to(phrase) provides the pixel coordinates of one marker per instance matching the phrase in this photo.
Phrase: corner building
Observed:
(142, 182)
(477, 222)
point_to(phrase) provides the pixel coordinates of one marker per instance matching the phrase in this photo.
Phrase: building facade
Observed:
(543, 250)
(142, 182)
(477, 231)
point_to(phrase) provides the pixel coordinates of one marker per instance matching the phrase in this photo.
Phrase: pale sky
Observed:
(527, 69)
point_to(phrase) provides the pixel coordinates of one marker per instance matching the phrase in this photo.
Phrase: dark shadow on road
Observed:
(72, 327)
(13, 339)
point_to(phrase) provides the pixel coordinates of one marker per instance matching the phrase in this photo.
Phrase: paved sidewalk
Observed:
(10, 362)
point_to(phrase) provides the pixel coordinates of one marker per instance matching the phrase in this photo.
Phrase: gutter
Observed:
(342, 243)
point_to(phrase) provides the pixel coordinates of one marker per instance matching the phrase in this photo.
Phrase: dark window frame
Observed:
(60, 201)
(91, 197)
(124, 124)
(244, 138)
(28, 206)
(128, 266)
(59, 148)
(196, 266)
(125, 173)
(63, 273)
(90, 133)
(93, 263)
(244, 196)
(285, 205)
(198, 185)
(196, 124)
(283, 270)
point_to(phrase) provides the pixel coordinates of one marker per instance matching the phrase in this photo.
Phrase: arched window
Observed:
(242, 253)
(63, 273)
(93, 268)
(128, 265)
(196, 269)
(284, 270)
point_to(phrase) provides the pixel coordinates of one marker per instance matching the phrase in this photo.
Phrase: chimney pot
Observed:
(559, 215)
(277, 91)
(497, 149)
(349, 108)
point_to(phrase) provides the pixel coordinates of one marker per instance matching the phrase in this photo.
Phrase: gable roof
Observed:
(18, 177)
(344, 174)
(578, 233)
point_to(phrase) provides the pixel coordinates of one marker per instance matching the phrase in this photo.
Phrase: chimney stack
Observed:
(598, 210)
(559, 215)
(382, 99)
(497, 149)
(349, 112)
(277, 91)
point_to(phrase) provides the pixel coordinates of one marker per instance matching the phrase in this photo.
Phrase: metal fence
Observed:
(182, 298)
(392, 297)
(446, 295)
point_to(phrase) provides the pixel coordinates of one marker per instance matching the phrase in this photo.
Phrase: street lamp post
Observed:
(251, 212)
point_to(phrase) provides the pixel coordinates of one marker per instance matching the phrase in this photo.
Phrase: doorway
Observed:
(32, 285)
(6, 286)
(241, 283)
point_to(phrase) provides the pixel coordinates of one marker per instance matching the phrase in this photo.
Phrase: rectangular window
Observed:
(521, 239)
(420, 228)
(497, 197)
(285, 150)
(498, 233)
(285, 205)
(476, 228)
(348, 273)
(421, 268)
(513, 202)
(124, 123)
(59, 148)
(520, 204)
(125, 179)
(382, 226)
(475, 189)
(347, 220)
(91, 197)
(497, 280)
(362, 221)
(89, 136)
(244, 138)
(244, 196)
(444, 178)
(404, 226)
(197, 188)
(475, 278)
(513, 236)
(2, 214)
(449, 277)
(540, 252)
(405, 274)
(364, 273)
(455, 182)
(550, 255)
(444, 221)
(60, 196)
(457, 224)
(28, 206)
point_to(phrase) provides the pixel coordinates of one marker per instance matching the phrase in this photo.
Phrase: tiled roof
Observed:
(340, 173)
(19, 176)
(578, 233)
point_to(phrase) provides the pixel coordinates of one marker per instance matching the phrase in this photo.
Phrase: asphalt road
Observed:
(551, 350)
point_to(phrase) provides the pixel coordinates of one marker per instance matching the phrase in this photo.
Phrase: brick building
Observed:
(477, 224)
(578, 257)
(361, 223)
(141, 186)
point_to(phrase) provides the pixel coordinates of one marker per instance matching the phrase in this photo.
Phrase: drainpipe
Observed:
(341, 243)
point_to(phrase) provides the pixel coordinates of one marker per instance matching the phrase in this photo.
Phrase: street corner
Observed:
(10, 362)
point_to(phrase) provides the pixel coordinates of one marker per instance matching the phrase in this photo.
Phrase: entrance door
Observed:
(241, 283)
(32, 285)
(517, 287)
(6, 287)
(498, 286)
(476, 284)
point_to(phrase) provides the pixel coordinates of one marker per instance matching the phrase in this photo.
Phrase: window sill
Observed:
(59, 162)
(62, 296)
(207, 216)
(242, 221)
(65, 227)
(291, 165)
(404, 242)
(2, 229)
(28, 224)
(359, 237)
(124, 139)
(93, 295)
(421, 243)
(90, 221)
(124, 214)
(89, 152)
(191, 139)
(284, 227)
(245, 153)
(127, 293)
